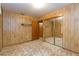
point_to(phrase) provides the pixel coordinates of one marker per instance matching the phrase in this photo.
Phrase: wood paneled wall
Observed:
(0, 32)
(70, 24)
(71, 28)
(16, 28)
(55, 14)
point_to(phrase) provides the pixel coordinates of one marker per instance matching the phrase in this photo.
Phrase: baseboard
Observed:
(17, 43)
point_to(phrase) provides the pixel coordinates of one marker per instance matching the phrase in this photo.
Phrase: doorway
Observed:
(40, 29)
(37, 30)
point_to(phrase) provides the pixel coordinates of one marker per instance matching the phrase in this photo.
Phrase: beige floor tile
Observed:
(35, 48)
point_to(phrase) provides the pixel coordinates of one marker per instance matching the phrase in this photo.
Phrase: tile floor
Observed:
(58, 41)
(35, 48)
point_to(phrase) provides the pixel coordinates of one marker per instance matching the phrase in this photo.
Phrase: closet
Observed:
(54, 34)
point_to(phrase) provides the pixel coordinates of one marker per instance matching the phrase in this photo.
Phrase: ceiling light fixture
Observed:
(40, 24)
(60, 17)
(38, 4)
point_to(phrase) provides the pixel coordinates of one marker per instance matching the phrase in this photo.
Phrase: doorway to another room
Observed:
(40, 29)
(37, 30)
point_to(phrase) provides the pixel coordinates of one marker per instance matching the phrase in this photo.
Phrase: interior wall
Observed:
(71, 28)
(70, 24)
(0, 27)
(0, 32)
(16, 28)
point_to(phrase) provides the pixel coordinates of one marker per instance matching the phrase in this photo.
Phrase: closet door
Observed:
(48, 31)
(58, 32)
(53, 31)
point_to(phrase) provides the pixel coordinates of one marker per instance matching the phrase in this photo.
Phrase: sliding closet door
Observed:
(53, 31)
(58, 32)
(48, 33)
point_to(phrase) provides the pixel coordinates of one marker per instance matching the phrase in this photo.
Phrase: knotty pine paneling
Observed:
(16, 28)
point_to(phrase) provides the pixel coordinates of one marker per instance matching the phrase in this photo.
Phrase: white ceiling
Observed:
(28, 9)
